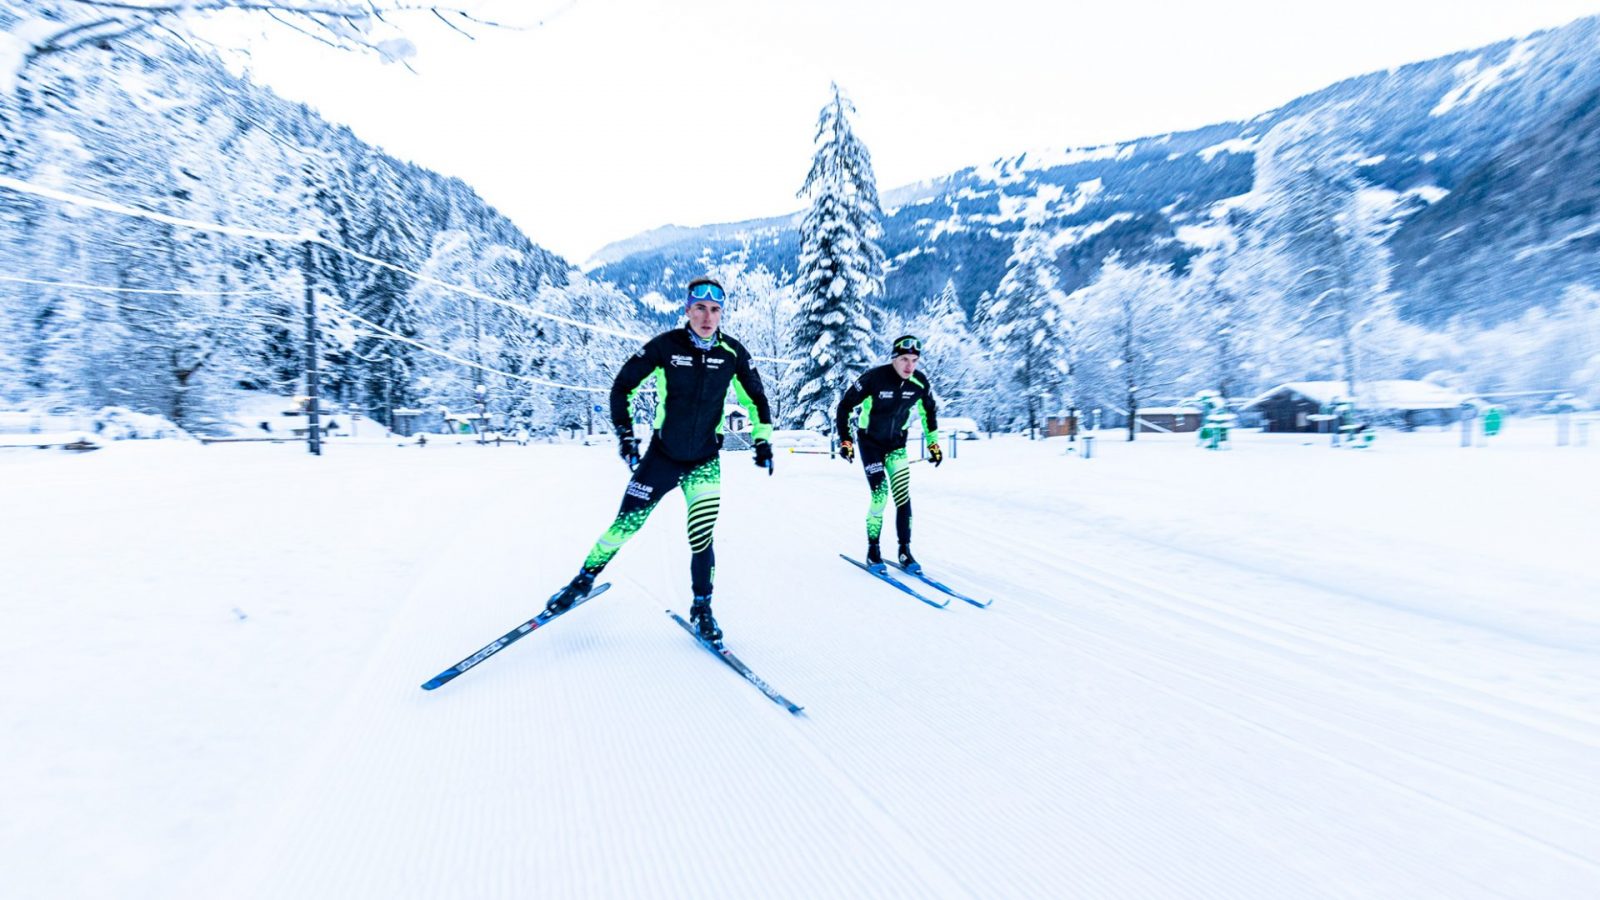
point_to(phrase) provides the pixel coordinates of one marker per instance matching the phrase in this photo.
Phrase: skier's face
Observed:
(905, 364)
(704, 317)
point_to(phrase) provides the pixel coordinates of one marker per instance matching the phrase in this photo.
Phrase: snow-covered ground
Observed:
(1279, 671)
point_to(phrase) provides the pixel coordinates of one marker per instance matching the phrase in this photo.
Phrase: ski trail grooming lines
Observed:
(509, 638)
(735, 664)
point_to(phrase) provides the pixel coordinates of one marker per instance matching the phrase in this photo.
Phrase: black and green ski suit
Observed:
(887, 403)
(691, 389)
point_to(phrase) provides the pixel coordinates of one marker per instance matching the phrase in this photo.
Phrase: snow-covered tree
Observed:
(1328, 228)
(582, 356)
(365, 26)
(384, 231)
(178, 318)
(952, 352)
(452, 321)
(761, 312)
(840, 268)
(1130, 336)
(1225, 317)
(1030, 334)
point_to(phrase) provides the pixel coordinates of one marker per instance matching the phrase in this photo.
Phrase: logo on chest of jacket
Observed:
(679, 359)
(714, 361)
(886, 395)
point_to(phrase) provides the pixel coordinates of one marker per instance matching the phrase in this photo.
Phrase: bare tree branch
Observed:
(344, 26)
(343, 12)
(54, 44)
(287, 23)
(454, 27)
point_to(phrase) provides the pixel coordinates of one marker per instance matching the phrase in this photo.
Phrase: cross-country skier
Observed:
(692, 368)
(888, 396)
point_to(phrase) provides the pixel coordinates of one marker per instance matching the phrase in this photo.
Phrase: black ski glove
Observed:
(764, 455)
(848, 451)
(628, 449)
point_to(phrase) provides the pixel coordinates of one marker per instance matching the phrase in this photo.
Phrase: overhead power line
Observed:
(380, 331)
(109, 289)
(61, 196)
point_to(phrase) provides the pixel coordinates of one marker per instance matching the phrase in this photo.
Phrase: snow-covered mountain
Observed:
(1504, 129)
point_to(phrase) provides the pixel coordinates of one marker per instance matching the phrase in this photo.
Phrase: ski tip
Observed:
(431, 684)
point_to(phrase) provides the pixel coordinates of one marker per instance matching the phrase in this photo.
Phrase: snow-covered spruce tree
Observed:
(840, 266)
(449, 321)
(952, 352)
(1029, 333)
(384, 231)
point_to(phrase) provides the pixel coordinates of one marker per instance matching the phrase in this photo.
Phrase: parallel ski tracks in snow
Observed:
(1288, 707)
(1554, 815)
(1114, 738)
(1292, 640)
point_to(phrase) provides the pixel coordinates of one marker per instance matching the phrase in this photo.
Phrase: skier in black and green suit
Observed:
(888, 396)
(692, 368)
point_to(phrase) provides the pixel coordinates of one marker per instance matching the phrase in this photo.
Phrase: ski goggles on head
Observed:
(908, 344)
(707, 291)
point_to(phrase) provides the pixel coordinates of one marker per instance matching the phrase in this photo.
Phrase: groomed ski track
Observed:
(1143, 712)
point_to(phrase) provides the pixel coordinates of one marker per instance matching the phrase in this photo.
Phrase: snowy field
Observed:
(1279, 671)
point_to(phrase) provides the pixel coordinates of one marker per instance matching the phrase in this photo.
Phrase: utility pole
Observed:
(482, 392)
(313, 430)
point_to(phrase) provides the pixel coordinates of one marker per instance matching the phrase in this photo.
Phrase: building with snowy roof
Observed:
(1405, 403)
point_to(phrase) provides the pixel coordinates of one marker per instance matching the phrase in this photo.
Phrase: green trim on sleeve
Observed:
(865, 418)
(759, 430)
(929, 435)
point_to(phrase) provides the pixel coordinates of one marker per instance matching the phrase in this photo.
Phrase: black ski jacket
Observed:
(691, 391)
(887, 404)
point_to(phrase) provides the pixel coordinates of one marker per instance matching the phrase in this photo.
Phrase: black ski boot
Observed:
(874, 555)
(907, 561)
(575, 590)
(700, 616)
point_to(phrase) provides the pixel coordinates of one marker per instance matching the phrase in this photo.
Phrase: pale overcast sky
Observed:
(618, 116)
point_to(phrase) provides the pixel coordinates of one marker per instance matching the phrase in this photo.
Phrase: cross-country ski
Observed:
(717, 649)
(922, 576)
(883, 575)
(518, 633)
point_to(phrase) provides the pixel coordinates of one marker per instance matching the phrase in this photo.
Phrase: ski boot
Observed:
(874, 556)
(907, 561)
(575, 590)
(700, 616)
